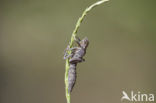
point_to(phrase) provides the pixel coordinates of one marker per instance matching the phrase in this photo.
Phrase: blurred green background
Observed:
(33, 36)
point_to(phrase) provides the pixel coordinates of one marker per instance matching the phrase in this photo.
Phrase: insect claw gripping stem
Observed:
(68, 56)
(66, 52)
(77, 39)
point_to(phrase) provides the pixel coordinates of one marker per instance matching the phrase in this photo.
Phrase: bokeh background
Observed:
(33, 36)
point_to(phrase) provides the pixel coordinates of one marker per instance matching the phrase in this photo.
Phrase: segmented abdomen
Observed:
(71, 77)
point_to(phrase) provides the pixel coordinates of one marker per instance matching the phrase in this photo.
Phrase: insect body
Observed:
(71, 77)
(76, 56)
(80, 51)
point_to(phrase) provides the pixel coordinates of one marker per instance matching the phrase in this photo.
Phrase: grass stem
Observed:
(72, 40)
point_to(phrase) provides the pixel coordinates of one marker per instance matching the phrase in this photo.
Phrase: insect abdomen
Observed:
(71, 77)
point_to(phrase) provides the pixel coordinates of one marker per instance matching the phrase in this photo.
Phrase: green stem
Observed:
(72, 40)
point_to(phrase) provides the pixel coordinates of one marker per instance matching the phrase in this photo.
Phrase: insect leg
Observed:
(76, 60)
(77, 40)
(83, 60)
(66, 52)
(66, 55)
(73, 49)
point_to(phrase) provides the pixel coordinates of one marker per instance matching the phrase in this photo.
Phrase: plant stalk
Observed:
(72, 40)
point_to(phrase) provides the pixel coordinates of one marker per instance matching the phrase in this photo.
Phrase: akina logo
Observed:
(137, 96)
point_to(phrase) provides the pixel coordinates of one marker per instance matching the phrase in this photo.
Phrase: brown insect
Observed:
(76, 56)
